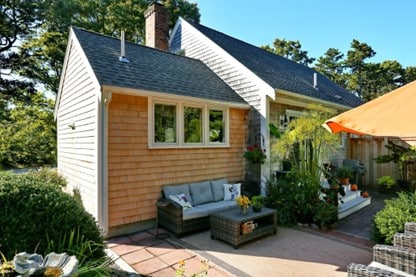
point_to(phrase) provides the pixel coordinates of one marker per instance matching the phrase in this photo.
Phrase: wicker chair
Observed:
(400, 258)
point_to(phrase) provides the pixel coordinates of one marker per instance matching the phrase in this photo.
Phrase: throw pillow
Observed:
(178, 189)
(231, 191)
(182, 200)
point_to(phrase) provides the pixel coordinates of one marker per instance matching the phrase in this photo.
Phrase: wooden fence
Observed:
(366, 150)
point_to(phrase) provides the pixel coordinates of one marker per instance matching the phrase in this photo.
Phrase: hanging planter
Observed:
(255, 154)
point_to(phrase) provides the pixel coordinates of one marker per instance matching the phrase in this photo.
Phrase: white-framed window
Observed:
(186, 124)
(287, 117)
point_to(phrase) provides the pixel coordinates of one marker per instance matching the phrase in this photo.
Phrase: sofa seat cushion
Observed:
(207, 209)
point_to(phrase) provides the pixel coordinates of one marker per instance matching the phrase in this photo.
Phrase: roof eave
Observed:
(309, 99)
(173, 96)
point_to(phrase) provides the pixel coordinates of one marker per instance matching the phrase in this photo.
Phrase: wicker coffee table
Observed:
(234, 228)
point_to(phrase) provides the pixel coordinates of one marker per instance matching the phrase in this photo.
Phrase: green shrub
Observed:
(280, 196)
(392, 218)
(325, 214)
(386, 182)
(35, 212)
(295, 196)
(47, 176)
(307, 197)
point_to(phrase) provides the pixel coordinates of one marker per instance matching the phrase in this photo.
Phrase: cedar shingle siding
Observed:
(136, 173)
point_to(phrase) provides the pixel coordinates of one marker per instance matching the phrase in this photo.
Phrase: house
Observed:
(132, 118)
(278, 89)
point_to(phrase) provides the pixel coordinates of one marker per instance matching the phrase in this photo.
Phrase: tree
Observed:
(189, 11)
(369, 80)
(29, 135)
(356, 63)
(306, 142)
(391, 76)
(18, 20)
(45, 53)
(331, 64)
(308, 145)
(409, 74)
(291, 50)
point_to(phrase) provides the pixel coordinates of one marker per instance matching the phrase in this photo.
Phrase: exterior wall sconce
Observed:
(72, 125)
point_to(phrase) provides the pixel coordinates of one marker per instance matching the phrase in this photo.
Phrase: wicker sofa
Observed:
(398, 259)
(205, 197)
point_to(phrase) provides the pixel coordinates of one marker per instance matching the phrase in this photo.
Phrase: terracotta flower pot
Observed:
(344, 181)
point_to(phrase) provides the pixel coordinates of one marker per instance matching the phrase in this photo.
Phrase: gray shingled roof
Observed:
(279, 72)
(152, 70)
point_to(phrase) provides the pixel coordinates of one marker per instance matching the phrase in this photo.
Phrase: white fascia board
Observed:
(174, 30)
(304, 101)
(64, 67)
(168, 96)
(264, 87)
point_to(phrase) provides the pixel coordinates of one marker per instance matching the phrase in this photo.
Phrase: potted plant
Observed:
(257, 202)
(255, 154)
(244, 202)
(403, 156)
(344, 174)
(385, 183)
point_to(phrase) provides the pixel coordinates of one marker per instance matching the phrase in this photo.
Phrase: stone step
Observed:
(350, 195)
(352, 206)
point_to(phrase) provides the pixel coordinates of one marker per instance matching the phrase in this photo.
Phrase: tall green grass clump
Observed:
(36, 215)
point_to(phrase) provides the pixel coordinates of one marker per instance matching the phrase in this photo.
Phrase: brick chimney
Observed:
(157, 26)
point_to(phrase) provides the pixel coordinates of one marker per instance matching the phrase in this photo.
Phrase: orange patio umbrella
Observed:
(390, 115)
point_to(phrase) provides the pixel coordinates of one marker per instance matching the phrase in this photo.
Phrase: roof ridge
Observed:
(133, 43)
(250, 44)
(278, 71)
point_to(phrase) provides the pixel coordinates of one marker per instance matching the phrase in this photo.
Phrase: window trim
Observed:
(180, 124)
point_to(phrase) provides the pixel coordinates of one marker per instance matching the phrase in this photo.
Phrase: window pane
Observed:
(216, 126)
(192, 125)
(165, 123)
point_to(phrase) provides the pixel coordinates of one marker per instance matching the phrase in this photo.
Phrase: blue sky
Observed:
(389, 27)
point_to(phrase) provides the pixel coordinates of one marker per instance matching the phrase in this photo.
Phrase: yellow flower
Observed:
(243, 200)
